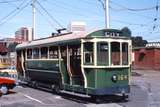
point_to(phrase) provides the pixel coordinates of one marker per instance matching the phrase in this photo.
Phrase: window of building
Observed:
(29, 53)
(88, 53)
(53, 52)
(102, 53)
(36, 53)
(124, 53)
(115, 53)
(44, 52)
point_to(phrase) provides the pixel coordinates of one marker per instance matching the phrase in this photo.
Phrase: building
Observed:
(77, 26)
(24, 34)
(4, 59)
(147, 57)
(7, 51)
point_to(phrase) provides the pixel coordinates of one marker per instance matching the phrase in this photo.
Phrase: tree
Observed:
(138, 41)
(126, 32)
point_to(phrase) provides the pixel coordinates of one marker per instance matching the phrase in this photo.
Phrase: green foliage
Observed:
(126, 32)
(138, 41)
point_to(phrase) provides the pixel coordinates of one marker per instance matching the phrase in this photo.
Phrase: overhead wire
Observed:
(12, 3)
(89, 2)
(49, 14)
(9, 1)
(13, 11)
(102, 3)
(136, 24)
(10, 16)
(135, 9)
(72, 8)
(49, 22)
(67, 9)
(156, 16)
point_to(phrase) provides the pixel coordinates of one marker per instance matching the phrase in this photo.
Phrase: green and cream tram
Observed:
(95, 64)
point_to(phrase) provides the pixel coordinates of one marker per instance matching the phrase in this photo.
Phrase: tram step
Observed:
(75, 94)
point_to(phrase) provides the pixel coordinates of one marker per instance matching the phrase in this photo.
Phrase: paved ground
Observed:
(150, 81)
(145, 92)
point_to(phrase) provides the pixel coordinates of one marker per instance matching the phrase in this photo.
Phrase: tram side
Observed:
(39, 66)
(94, 64)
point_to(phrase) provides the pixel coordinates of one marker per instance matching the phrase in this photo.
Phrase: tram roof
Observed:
(53, 40)
(66, 38)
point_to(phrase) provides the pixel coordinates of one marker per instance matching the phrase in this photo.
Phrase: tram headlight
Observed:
(114, 78)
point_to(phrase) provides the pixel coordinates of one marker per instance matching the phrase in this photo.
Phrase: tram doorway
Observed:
(72, 63)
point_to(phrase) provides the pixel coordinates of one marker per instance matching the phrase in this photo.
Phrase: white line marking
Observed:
(34, 99)
(57, 97)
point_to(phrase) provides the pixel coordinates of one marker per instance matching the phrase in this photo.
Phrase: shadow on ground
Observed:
(101, 100)
(87, 99)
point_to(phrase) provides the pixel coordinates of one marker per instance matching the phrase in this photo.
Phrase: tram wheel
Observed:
(125, 97)
(34, 84)
(96, 99)
(56, 89)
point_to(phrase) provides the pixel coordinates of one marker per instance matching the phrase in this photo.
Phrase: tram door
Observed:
(21, 63)
(18, 65)
(75, 65)
(64, 68)
(71, 65)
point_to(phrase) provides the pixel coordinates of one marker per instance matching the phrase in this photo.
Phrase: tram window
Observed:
(44, 52)
(102, 53)
(29, 53)
(115, 53)
(53, 52)
(124, 53)
(36, 53)
(63, 52)
(88, 53)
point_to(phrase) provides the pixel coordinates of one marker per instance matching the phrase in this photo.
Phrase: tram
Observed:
(94, 64)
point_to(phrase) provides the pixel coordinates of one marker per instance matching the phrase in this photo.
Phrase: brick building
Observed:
(147, 57)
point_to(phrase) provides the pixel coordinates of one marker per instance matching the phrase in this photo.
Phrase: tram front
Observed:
(106, 65)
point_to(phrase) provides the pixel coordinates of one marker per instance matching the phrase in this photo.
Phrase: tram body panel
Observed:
(102, 79)
(43, 70)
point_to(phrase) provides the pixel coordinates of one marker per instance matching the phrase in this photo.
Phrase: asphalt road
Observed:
(29, 97)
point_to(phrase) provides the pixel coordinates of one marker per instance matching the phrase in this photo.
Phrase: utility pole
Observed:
(107, 14)
(34, 19)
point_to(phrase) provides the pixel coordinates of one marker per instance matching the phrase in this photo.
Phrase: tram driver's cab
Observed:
(106, 53)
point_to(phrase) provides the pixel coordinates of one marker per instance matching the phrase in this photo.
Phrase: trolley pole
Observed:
(107, 14)
(34, 19)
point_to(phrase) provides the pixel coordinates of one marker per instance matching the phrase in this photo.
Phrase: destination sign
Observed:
(112, 34)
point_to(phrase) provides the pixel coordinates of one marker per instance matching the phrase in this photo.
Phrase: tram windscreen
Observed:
(115, 53)
(124, 53)
(102, 53)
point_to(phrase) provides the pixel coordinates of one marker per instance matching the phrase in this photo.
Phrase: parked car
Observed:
(6, 83)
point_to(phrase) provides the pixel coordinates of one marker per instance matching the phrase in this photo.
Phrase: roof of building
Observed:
(150, 45)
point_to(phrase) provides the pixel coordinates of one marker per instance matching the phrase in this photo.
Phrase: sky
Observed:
(140, 16)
